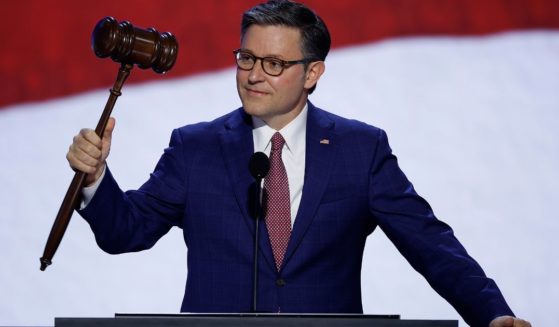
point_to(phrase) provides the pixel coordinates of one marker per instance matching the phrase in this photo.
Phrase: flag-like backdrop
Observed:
(466, 89)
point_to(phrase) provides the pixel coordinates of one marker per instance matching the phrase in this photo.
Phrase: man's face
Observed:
(275, 99)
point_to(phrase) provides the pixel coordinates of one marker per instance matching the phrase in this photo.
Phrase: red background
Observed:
(46, 44)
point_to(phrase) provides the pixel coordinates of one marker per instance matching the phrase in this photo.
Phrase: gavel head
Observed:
(127, 44)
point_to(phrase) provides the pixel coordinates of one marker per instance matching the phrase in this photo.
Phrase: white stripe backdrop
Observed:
(473, 121)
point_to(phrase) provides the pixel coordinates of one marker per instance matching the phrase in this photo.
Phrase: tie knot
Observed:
(277, 142)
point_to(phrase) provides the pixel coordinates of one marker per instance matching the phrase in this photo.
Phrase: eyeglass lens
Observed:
(271, 66)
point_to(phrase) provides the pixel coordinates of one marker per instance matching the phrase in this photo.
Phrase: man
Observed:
(331, 182)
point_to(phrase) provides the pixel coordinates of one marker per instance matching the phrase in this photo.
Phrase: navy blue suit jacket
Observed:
(352, 185)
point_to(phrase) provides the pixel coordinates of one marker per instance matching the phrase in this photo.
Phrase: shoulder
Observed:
(346, 128)
(209, 131)
(201, 141)
(215, 126)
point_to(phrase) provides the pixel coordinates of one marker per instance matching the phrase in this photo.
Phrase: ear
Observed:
(314, 71)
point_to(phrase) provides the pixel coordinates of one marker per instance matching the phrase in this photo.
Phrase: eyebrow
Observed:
(265, 56)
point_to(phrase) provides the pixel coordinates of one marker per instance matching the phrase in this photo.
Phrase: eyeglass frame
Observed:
(284, 63)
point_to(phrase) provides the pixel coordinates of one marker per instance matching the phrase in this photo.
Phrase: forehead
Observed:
(274, 40)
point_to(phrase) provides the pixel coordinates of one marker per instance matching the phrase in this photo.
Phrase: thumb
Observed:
(503, 321)
(108, 134)
(107, 137)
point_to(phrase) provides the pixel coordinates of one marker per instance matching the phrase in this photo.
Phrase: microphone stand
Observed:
(258, 205)
(259, 165)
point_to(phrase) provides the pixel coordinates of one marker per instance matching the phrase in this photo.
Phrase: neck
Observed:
(280, 121)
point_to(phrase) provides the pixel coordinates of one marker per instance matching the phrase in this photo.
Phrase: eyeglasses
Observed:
(271, 65)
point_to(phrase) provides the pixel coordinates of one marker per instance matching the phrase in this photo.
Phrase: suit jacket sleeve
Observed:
(135, 220)
(429, 244)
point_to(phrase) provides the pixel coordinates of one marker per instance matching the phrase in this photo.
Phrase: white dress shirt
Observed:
(292, 154)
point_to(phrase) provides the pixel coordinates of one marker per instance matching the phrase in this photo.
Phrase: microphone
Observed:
(259, 165)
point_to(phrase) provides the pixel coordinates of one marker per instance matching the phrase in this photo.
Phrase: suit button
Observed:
(280, 282)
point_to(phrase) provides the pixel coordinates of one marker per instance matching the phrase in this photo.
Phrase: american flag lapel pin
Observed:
(325, 141)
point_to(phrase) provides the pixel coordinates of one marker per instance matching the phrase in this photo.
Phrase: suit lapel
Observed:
(237, 147)
(319, 151)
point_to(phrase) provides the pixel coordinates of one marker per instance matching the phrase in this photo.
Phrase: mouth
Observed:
(254, 92)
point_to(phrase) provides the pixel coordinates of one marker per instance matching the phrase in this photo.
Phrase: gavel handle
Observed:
(73, 195)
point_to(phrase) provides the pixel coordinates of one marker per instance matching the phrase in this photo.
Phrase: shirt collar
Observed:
(293, 133)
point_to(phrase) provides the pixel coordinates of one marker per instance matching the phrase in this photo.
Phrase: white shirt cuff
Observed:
(89, 191)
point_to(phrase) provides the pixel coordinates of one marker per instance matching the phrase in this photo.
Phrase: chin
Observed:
(253, 110)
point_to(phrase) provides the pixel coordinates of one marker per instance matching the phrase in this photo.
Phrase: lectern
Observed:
(251, 320)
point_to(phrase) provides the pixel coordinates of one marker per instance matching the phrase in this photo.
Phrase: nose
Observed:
(256, 74)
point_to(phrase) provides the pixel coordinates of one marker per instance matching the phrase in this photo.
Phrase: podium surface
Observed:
(251, 320)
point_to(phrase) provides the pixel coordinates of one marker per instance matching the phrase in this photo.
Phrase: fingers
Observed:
(503, 321)
(88, 151)
(87, 137)
(85, 152)
(509, 321)
(521, 323)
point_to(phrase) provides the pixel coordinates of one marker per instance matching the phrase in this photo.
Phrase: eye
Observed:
(245, 57)
(274, 64)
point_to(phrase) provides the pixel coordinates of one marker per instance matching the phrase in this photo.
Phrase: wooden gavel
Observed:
(129, 46)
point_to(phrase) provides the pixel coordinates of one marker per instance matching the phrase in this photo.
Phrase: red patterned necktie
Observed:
(277, 202)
